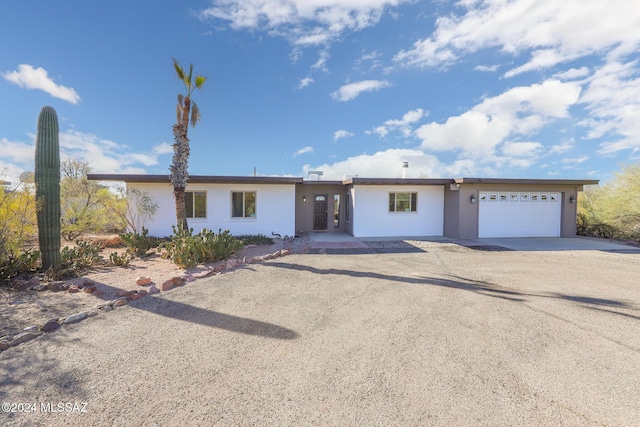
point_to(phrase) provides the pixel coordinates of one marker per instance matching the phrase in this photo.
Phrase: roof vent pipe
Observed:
(405, 166)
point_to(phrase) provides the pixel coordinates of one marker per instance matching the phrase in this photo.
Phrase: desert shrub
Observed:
(118, 260)
(24, 262)
(83, 255)
(255, 239)
(109, 242)
(187, 250)
(140, 243)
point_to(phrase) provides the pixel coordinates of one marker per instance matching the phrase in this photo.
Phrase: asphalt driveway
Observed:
(444, 335)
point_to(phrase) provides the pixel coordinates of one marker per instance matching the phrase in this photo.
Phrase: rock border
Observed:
(123, 297)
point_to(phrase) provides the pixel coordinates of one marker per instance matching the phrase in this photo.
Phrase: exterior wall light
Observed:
(304, 199)
(572, 199)
(473, 198)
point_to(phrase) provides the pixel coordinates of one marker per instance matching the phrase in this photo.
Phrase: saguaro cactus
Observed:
(47, 177)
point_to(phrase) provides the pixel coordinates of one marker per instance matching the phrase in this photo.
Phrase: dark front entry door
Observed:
(320, 213)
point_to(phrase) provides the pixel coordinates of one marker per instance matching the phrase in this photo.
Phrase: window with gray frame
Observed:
(243, 204)
(196, 204)
(403, 202)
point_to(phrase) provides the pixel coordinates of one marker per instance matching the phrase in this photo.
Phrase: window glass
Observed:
(403, 202)
(243, 204)
(195, 203)
(200, 204)
(336, 211)
(236, 205)
(250, 205)
(188, 203)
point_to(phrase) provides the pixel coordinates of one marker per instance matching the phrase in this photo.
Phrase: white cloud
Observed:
(563, 147)
(521, 149)
(103, 156)
(573, 73)
(403, 125)
(342, 134)
(612, 99)
(305, 82)
(351, 91)
(383, 164)
(321, 63)
(516, 113)
(163, 148)
(553, 31)
(573, 161)
(486, 68)
(37, 78)
(303, 22)
(303, 150)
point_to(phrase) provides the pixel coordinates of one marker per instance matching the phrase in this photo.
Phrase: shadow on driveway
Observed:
(483, 288)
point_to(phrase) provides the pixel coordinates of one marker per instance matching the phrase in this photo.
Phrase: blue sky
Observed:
(488, 88)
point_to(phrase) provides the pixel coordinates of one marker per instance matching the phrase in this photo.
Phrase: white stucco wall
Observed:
(275, 209)
(371, 216)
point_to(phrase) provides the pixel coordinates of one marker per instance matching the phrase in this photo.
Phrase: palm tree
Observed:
(186, 113)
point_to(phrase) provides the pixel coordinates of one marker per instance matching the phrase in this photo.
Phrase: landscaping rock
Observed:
(285, 252)
(122, 293)
(135, 297)
(75, 318)
(177, 281)
(90, 289)
(143, 281)
(218, 268)
(188, 277)
(40, 288)
(50, 326)
(23, 337)
(73, 289)
(31, 328)
(4, 345)
(54, 286)
(120, 302)
(143, 292)
(168, 284)
(153, 290)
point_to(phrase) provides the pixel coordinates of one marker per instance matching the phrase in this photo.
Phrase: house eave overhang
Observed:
(396, 181)
(515, 181)
(195, 179)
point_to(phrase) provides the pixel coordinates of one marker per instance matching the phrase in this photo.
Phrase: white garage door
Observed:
(521, 214)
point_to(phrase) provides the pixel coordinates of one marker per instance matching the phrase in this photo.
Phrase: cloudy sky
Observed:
(483, 88)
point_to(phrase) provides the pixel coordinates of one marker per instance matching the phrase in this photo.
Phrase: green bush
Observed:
(187, 250)
(139, 244)
(255, 239)
(12, 265)
(120, 260)
(83, 255)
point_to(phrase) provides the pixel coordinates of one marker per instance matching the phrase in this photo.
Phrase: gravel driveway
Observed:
(440, 335)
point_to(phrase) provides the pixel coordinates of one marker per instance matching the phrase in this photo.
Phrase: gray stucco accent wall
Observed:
(461, 216)
(304, 210)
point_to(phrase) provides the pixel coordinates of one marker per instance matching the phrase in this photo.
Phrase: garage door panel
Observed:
(509, 214)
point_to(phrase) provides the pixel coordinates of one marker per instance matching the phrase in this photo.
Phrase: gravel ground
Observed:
(444, 336)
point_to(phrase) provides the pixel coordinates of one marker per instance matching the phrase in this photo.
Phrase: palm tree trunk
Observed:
(181, 211)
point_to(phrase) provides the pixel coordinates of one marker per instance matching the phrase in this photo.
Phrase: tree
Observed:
(187, 112)
(612, 210)
(17, 218)
(86, 206)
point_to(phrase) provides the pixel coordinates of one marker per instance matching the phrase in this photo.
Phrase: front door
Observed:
(320, 212)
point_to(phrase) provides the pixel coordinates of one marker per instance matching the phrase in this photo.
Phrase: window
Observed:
(243, 204)
(336, 211)
(403, 202)
(196, 204)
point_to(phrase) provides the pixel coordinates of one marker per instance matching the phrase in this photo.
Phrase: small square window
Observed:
(243, 204)
(403, 202)
(196, 204)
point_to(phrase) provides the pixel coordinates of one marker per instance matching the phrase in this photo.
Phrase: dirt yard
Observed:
(25, 309)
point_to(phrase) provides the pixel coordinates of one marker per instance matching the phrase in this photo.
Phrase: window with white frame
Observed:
(195, 203)
(243, 204)
(403, 202)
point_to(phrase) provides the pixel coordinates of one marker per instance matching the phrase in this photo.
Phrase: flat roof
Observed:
(397, 181)
(526, 181)
(195, 179)
(209, 179)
